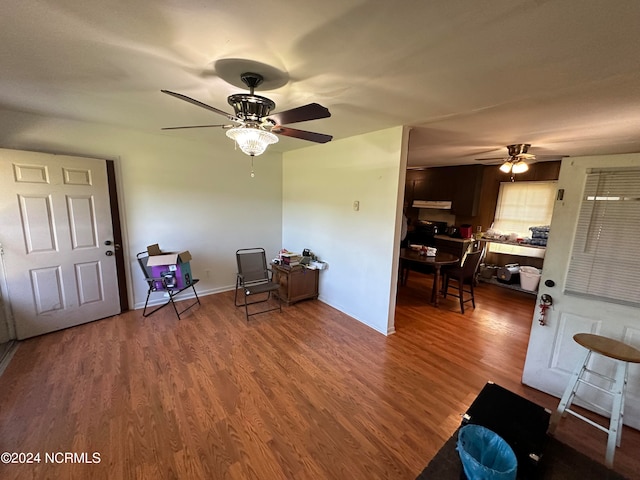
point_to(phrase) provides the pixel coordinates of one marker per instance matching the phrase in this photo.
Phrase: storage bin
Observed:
(488, 271)
(529, 278)
(509, 274)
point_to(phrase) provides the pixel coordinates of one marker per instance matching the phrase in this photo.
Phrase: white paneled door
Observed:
(57, 241)
(553, 354)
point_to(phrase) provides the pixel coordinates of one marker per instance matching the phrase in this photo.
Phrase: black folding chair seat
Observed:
(159, 284)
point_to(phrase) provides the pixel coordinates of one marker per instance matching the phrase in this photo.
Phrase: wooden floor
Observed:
(306, 394)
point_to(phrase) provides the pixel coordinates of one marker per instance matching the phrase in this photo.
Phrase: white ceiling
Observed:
(470, 75)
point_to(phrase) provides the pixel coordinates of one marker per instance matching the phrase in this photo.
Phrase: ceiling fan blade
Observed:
(193, 126)
(302, 134)
(233, 118)
(492, 159)
(312, 111)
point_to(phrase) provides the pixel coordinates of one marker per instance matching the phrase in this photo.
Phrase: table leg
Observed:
(435, 291)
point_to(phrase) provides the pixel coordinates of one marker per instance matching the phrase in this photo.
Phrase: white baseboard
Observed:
(161, 297)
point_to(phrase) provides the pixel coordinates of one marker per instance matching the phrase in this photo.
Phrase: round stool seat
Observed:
(608, 347)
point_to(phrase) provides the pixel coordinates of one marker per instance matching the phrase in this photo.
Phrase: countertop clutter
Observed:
(539, 236)
(307, 260)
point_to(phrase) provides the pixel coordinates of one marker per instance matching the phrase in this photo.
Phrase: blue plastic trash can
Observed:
(485, 455)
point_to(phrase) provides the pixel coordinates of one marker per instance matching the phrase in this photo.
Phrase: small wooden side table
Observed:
(296, 283)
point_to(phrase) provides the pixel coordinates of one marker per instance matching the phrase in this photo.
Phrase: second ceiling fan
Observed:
(255, 126)
(517, 156)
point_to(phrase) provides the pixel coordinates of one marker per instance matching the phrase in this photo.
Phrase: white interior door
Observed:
(552, 354)
(54, 221)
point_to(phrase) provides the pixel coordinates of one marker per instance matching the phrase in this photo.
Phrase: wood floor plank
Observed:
(308, 393)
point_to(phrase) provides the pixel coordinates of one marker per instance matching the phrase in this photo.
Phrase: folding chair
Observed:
(254, 278)
(161, 284)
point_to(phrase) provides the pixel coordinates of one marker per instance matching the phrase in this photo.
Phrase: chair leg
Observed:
(569, 393)
(445, 285)
(173, 304)
(235, 296)
(461, 293)
(473, 297)
(277, 295)
(246, 306)
(615, 430)
(197, 302)
(144, 311)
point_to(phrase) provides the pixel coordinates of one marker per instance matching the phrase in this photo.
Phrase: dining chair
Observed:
(464, 274)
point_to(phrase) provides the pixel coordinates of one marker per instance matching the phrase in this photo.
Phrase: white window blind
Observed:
(522, 205)
(605, 260)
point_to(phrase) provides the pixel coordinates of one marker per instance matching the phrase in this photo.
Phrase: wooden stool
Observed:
(623, 354)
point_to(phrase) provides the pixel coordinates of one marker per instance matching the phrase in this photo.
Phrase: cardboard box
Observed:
(173, 267)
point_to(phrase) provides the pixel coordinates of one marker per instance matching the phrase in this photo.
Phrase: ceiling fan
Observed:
(517, 156)
(255, 126)
(515, 162)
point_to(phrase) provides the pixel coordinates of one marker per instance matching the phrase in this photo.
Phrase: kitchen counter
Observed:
(447, 237)
(506, 242)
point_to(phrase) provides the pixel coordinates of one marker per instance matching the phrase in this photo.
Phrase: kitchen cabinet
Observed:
(460, 185)
(296, 283)
(468, 183)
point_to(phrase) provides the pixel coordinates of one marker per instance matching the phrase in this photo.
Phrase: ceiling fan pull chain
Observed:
(252, 172)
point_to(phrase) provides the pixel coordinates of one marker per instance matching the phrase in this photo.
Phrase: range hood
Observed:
(435, 204)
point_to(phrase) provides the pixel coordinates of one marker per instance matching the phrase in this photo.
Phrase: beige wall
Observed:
(173, 190)
(320, 185)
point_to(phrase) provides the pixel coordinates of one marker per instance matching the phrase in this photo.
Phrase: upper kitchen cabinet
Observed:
(467, 190)
(459, 185)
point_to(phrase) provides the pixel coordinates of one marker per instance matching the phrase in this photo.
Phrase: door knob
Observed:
(108, 253)
(116, 246)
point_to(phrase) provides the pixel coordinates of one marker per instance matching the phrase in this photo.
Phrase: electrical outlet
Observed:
(356, 205)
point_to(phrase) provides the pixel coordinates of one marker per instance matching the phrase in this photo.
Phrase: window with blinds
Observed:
(605, 259)
(522, 205)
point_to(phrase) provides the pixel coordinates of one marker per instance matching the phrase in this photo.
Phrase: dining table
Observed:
(411, 259)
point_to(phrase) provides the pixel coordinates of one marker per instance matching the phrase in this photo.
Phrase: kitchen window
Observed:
(605, 259)
(522, 205)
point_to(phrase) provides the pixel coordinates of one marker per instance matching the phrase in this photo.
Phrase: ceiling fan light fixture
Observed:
(516, 162)
(520, 167)
(251, 140)
(506, 166)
